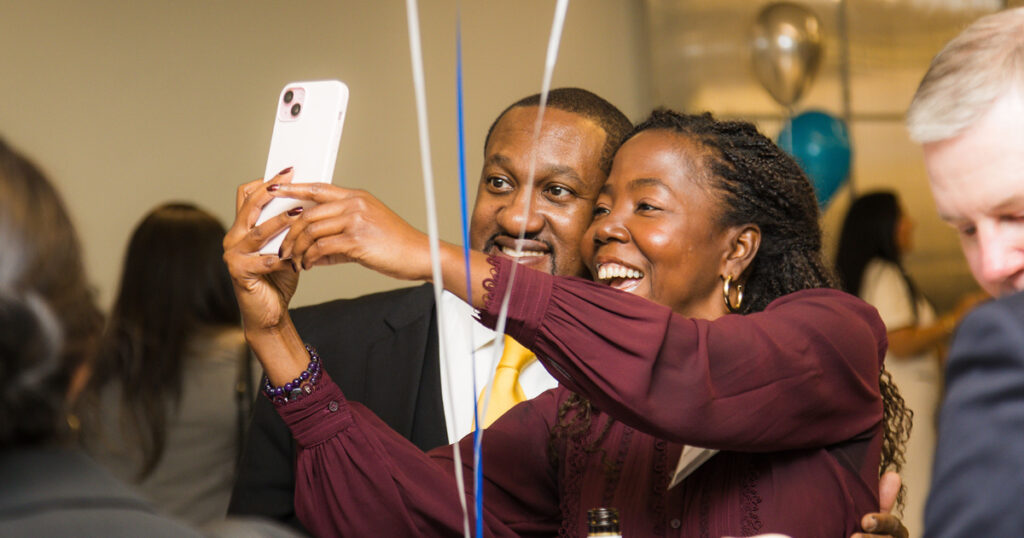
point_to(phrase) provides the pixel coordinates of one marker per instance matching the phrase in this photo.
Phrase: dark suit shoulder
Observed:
(401, 306)
(1009, 308)
(993, 326)
(976, 483)
(382, 351)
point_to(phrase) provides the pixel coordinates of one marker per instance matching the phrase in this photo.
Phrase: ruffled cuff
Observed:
(528, 301)
(319, 416)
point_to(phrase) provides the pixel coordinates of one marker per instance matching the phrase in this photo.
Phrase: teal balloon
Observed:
(821, 144)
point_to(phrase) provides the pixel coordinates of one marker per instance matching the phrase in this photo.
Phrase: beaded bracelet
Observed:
(300, 386)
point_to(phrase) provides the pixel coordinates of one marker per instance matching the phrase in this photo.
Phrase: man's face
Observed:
(977, 179)
(565, 185)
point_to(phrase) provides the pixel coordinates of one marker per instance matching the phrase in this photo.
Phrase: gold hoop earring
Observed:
(725, 295)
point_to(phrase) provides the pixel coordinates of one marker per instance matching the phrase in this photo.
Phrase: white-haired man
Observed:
(968, 114)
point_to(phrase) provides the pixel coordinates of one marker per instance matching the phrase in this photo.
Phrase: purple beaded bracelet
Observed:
(298, 387)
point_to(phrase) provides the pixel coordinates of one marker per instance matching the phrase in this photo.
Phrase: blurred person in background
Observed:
(170, 390)
(876, 235)
(968, 114)
(49, 324)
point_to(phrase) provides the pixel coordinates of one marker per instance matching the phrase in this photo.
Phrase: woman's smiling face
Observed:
(655, 231)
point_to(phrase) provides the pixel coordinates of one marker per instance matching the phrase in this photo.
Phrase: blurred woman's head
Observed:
(45, 293)
(174, 269)
(692, 201)
(30, 344)
(874, 228)
(174, 284)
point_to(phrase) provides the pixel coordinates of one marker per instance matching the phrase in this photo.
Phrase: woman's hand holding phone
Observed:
(304, 146)
(264, 284)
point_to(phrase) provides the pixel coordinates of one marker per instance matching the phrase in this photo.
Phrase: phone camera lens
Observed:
(288, 95)
(295, 109)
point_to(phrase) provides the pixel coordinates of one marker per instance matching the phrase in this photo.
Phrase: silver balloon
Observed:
(787, 50)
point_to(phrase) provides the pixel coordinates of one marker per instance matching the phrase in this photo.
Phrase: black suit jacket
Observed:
(382, 350)
(978, 480)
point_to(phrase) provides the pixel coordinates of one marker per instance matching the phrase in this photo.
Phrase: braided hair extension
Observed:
(575, 416)
(758, 183)
(898, 422)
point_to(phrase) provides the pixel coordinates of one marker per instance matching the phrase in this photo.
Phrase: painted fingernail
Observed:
(273, 187)
(280, 252)
(285, 171)
(294, 212)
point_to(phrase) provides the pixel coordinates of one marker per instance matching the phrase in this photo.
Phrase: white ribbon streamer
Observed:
(415, 50)
(549, 67)
(416, 54)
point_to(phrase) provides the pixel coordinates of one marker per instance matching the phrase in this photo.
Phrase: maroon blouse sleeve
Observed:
(802, 373)
(357, 477)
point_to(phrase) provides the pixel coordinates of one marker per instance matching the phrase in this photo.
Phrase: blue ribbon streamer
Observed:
(478, 474)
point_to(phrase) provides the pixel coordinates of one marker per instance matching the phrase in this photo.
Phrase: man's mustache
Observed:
(492, 241)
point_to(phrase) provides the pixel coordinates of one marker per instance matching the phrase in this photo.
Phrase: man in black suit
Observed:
(382, 349)
(968, 114)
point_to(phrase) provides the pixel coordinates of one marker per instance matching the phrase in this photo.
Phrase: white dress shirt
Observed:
(469, 343)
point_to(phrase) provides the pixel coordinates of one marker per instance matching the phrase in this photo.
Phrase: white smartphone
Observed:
(307, 131)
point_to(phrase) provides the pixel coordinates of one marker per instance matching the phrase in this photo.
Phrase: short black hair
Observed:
(612, 121)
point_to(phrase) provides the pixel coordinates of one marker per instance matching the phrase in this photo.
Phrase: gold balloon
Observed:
(786, 50)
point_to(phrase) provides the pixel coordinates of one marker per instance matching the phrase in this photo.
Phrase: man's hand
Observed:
(352, 226)
(883, 523)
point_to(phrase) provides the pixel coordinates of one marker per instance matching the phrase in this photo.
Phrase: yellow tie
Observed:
(507, 391)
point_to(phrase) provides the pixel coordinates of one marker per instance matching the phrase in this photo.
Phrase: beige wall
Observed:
(129, 104)
(701, 60)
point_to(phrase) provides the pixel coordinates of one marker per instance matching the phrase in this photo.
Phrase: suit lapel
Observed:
(403, 365)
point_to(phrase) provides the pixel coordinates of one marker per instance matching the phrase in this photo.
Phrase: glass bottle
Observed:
(603, 522)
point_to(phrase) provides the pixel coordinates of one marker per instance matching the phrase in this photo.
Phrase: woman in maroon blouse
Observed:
(706, 219)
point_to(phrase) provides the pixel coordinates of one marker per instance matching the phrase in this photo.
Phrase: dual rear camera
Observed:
(289, 96)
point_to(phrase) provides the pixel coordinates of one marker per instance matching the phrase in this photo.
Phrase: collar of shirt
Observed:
(470, 346)
(459, 324)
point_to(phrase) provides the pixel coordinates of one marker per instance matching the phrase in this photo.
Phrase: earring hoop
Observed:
(725, 295)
